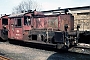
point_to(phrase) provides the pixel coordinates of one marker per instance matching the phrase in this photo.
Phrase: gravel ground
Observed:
(16, 52)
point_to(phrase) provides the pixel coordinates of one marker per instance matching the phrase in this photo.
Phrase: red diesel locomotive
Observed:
(38, 27)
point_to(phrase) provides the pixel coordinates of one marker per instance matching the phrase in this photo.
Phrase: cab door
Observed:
(18, 30)
(4, 28)
(11, 28)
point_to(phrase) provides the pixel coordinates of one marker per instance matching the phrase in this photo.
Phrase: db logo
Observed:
(17, 31)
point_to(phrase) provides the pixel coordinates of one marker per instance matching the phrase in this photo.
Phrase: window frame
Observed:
(25, 21)
(5, 22)
(18, 21)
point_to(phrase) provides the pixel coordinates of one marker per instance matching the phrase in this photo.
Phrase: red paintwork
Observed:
(18, 33)
(0, 23)
(14, 32)
(7, 26)
(47, 22)
(54, 22)
(11, 29)
(26, 27)
(38, 23)
(1, 26)
(67, 19)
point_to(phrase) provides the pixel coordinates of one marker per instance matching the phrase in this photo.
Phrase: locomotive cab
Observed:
(4, 27)
(20, 24)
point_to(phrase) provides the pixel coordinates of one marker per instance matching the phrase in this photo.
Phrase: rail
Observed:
(4, 58)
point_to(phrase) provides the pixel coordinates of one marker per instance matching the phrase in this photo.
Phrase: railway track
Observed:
(81, 48)
(4, 58)
(16, 52)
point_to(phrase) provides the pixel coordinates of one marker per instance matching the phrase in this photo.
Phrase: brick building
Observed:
(82, 17)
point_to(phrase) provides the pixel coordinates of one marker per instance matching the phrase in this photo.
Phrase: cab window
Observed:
(27, 20)
(18, 22)
(4, 21)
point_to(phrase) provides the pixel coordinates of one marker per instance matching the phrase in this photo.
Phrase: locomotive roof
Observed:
(4, 15)
(22, 14)
(16, 15)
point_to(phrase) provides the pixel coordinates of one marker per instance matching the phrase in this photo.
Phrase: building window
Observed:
(83, 13)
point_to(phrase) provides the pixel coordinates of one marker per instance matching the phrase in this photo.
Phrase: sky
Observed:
(6, 6)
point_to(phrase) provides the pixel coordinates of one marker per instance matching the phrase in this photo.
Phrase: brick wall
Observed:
(83, 20)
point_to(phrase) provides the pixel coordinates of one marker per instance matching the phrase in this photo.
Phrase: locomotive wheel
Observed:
(59, 46)
(3, 39)
(53, 40)
(73, 44)
(67, 44)
(62, 47)
(66, 48)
